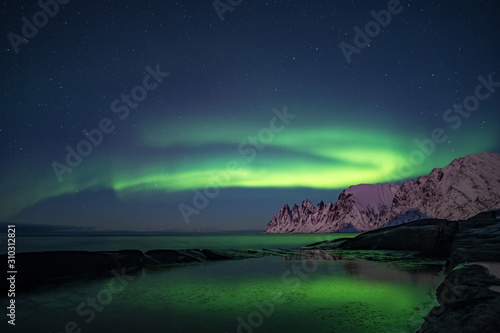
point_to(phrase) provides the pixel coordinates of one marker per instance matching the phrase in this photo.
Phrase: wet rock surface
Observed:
(37, 269)
(467, 303)
(469, 297)
(45, 269)
(427, 237)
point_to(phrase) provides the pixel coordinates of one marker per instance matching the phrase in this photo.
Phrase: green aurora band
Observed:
(171, 158)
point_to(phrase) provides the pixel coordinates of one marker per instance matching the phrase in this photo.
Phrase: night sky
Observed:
(146, 115)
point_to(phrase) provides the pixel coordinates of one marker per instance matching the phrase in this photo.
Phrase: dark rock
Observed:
(467, 304)
(476, 240)
(167, 257)
(42, 269)
(469, 297)
(211, 255)
(39, 268)
(428, 237)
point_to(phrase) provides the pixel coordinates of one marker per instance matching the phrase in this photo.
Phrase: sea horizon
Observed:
(212, 241)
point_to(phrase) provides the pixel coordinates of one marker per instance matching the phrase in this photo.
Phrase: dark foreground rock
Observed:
(50, 268)
(469, 301)
(469, 297)
(477, 240)
(42, 269)
(432, 238)
(161, 258)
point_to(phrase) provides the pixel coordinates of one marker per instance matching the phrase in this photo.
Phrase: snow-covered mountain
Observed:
(462, 189)
(467, 186)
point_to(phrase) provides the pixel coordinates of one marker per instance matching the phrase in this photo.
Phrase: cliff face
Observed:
(462, 189)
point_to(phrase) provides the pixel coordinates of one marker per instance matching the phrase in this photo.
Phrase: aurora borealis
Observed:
(257, 110)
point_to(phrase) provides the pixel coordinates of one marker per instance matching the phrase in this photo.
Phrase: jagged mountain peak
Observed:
(307, 203)
(353, 211)
(285, 208)
(463, 188)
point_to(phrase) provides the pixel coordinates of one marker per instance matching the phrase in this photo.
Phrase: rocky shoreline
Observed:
(469, 297)
(469, 252)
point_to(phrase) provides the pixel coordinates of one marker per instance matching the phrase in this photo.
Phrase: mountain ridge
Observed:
(463, 188)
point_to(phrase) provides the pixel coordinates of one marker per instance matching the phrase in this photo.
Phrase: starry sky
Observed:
(202, 115)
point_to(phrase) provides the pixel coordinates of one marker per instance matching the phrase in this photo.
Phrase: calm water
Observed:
(145, 243)
(270, 294)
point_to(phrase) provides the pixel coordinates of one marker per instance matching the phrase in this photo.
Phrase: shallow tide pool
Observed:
(271, 294)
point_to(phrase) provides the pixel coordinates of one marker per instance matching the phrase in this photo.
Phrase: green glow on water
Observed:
(267, 294)
(320, 302)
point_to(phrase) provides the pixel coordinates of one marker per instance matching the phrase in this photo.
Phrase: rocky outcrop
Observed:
(469, 297)
(46, 268)
(477, 240)
(467, 301)
(42, 269)
(428, 237)
(462, 189)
